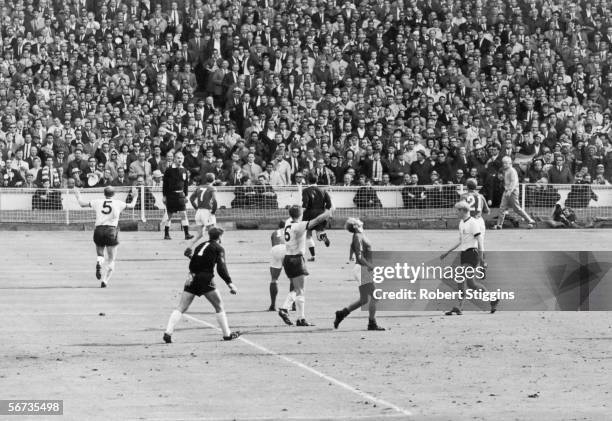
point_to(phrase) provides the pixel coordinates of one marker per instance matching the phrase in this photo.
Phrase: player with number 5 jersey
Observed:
(294, 264)
(106, 229)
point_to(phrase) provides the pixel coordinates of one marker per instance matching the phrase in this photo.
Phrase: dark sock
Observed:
(345, 311)
(312, 251)
(273, 293)
(186, 229)
(291, 288)
(167, 230)
(372, 321)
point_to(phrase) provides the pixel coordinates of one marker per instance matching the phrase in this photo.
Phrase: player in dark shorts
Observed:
(106, 231)
(200, 282)
(175, 189)
(315, 201)
(472, 248)
(362, 249)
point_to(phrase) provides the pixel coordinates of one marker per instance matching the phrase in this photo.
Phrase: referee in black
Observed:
(175, 189)
(201, 282)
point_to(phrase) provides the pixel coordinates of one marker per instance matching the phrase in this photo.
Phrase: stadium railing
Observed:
(18, 205)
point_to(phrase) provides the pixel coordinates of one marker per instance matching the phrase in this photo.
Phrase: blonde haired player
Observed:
(362, 249)
(204, 200)
(472, 246)
(106, 233)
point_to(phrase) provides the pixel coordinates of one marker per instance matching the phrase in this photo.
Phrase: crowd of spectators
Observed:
(266, 92)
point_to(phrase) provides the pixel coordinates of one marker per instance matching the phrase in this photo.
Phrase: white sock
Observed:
(175, 317)
(289, 300)
(165, 222)
(185, 221)
(222, 320)
(100, 260)
(300, 303)
(109, 271)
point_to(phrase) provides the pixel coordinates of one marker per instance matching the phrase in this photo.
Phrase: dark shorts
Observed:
(201, 283)
(294, 266)
(106, 236)
(175, 202)
(365, 291)
(470, 257)
(310, 214)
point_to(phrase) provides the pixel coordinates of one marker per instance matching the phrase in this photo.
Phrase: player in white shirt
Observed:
(277, 254)
(106, 232)
(294, 264)
(472, 247)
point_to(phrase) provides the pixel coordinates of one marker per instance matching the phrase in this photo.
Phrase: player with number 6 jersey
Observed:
(106, 229)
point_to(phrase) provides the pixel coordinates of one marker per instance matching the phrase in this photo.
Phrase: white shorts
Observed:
(356, 273)
(277, 254)
(205, 218)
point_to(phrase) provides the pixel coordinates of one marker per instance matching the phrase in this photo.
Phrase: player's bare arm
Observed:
(82, 203)
(132, 204)
(192, 198)
(314, 222)
(443, 256)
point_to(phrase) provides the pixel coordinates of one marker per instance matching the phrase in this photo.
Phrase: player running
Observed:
(510, 198)
(295, 267)
(175, 187)
(361, 248)
(472, 247)
(315, 201)
(204, 200)
(106, 233)
(200, 282)
(478, 205)
(277, 254)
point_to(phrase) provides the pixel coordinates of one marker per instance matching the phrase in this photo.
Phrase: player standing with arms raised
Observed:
(175, 188)
(472, 249)
(204, 199)
(315, 201)
(106, 233)
(295, 267)
(361, 248)
(510, 198)
(200, 282)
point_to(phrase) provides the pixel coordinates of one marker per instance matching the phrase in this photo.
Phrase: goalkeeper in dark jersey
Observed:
(315, 201)
(200, 282)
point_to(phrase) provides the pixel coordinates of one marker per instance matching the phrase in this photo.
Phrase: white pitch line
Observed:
(311, 370)
(330, 418)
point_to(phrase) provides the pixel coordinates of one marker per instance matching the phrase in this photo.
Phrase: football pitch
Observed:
(101, 350)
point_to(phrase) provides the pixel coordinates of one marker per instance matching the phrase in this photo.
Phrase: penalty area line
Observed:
(314, 371)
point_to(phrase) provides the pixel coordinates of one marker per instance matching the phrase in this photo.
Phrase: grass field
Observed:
(101, 351)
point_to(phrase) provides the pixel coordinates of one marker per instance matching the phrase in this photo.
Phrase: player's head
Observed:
(215, 233)
(312, 178)
(109, 191)
(295, 212)
(463, 208)
(471, 184)
(209, 178)
(281, 224)
(354, 225)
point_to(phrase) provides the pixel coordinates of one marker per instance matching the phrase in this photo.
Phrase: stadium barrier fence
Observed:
(243, 203)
